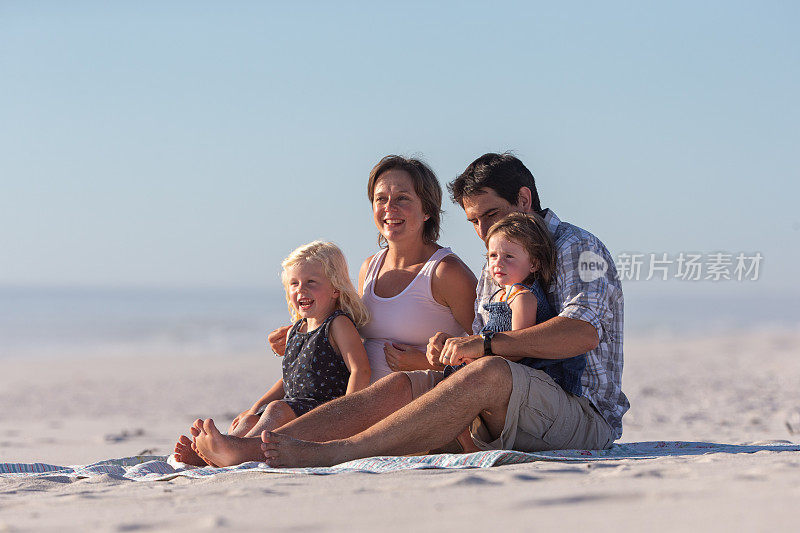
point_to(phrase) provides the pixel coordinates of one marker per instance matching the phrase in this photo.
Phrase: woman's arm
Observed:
(454, 285)
(277, 339)
(346, 340)
(362, 274)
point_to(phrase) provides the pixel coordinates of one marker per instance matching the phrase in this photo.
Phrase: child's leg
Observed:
(274, 416)
(244, 425)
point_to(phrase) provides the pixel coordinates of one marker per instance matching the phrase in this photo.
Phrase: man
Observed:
(508, 405)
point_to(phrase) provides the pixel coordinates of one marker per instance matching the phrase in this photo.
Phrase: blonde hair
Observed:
(332, 260)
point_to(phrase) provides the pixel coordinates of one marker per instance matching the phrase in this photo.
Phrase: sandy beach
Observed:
(738, 388)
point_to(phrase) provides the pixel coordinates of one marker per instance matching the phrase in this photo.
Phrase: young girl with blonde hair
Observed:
(324, 357)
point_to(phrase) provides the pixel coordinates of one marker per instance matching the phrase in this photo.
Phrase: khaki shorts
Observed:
(540, 416)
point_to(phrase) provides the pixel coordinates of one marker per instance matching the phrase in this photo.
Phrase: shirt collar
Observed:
(551, 220)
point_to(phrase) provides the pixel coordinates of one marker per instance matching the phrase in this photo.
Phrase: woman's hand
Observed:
(277, 340)
(403, 357)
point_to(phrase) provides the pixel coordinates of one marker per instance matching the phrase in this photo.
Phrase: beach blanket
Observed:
(163, 468)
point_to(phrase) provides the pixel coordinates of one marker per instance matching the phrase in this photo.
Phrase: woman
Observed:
(413, 287)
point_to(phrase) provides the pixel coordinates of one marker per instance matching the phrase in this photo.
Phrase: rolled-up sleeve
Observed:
(576, 298)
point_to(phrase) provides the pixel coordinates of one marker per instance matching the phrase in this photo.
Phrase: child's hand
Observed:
(277, 340)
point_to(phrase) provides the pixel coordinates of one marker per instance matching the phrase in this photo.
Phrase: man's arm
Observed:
(558, 338)
(576, 330)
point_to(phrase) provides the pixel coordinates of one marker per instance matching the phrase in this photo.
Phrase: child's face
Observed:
(310, 291)
(509, 262)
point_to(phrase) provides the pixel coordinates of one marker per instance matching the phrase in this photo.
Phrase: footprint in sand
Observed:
(467, 481)
(123, 435)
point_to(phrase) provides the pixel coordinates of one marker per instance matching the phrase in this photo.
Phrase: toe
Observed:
(210, 428)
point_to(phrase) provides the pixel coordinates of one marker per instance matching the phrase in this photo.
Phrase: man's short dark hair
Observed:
(503, 173)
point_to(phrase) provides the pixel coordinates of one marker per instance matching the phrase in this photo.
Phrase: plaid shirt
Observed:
(598, 302)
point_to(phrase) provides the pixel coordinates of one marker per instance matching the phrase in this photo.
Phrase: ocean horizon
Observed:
(38, 322)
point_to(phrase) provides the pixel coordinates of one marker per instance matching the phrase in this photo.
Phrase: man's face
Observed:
(485, 208)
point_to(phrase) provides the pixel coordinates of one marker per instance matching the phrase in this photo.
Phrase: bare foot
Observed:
(195, 430)
(185, 454)
(224, 450)
(282, 451)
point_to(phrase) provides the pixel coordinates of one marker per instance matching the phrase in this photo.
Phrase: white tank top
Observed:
(411, 317)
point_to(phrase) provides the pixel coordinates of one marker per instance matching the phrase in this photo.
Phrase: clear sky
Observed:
(197, 143)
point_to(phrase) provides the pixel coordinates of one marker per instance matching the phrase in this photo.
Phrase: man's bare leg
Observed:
(337, 419)
(432, 420)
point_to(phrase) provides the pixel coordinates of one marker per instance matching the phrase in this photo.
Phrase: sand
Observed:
(742, 387)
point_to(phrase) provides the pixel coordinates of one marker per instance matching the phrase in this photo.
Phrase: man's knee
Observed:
(396, 384)
(394, 380)
(491, 368)
(490, 374)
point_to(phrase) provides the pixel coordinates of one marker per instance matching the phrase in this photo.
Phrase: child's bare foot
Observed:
(195, 430)
(282, 451)
(224, 450)
(185, 454)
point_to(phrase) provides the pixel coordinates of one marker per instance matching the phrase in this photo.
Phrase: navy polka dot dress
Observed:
(313, 373)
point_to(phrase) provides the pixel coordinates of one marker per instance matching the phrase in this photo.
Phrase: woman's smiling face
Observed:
(396, 207)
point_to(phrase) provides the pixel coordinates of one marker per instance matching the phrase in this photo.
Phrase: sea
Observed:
(72, 322)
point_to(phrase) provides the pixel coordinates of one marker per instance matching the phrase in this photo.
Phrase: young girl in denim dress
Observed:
(521, 260)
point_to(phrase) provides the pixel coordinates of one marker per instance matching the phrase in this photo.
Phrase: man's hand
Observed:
(277, 339)
(404, 357)
(459, 350)
(435, 347)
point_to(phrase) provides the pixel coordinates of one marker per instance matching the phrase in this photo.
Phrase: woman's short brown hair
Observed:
(425, 185)
(530, 232)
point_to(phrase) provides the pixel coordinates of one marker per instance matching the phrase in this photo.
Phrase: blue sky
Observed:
(174, 144)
